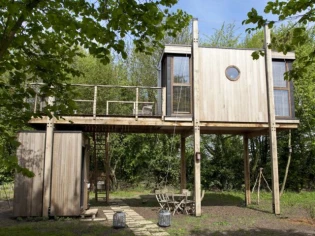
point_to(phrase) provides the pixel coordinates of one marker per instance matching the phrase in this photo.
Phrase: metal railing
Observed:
(112, 100)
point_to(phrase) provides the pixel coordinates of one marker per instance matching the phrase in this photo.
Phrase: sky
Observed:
(212, 14)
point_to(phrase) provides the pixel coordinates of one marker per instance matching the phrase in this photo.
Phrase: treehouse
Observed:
(232, 88)
(200, 90)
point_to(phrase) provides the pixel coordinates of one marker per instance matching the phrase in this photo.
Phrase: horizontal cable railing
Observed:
(109, 100)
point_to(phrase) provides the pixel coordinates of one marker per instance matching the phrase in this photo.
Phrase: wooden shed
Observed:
(63, 177)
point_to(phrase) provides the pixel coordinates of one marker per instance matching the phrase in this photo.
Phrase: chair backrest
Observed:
(202, 195)
(147, 110)
(158, 197)
(185, 191)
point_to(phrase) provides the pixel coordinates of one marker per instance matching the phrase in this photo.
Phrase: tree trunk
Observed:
(255, 150)
(8, 37)
(288, 165)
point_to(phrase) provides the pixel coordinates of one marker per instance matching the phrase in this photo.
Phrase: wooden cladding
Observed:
(243, 100)
(28, 192)
(232, 84)
(66, 174)
(69, 171)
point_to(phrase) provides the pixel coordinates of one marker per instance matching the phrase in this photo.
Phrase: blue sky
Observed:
(212, 14)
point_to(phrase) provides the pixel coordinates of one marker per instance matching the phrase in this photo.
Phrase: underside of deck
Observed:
(168, 125)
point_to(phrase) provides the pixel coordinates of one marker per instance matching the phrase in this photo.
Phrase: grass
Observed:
(6, 190)
(215, 220)
(56, 228)
(130, 193)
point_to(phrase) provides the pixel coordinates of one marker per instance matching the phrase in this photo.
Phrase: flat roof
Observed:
(186, 49)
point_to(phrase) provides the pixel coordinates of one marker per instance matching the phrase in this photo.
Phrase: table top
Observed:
(180, 194)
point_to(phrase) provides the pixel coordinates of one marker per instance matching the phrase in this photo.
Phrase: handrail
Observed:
(130, 102)
(161, 98)
(106, 86)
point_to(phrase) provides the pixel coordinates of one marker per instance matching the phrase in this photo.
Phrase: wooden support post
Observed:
(107, 163)
(35, 103)
(163, 102)
(48, 162)
(95, 167)
(86, 174)
(182, 163)
(246, 171)
(272, 124)
(94, 102)
(195, 57)
(137, 104)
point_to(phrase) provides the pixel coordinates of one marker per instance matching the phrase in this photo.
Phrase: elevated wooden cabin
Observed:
(232, 86)
(201, 90)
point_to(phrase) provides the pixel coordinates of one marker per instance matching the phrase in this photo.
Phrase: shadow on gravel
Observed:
(256, 232)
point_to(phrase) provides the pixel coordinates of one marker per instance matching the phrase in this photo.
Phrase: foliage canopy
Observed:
(301, 12)
(39, 40)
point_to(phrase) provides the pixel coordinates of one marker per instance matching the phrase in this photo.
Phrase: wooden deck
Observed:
(168, 125)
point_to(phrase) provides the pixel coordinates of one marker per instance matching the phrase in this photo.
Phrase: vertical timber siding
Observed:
(244, 100)
(66, 174)
(28, 192)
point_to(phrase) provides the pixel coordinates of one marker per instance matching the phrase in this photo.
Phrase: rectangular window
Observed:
(181, 84)
(282, 91)
(181, 102)
(181, 70)
(279, 68)
(282, 102)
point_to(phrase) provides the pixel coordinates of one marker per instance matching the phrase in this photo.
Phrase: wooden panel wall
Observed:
(66, 174)
(28, 192)
(244, 100)
(86, 168)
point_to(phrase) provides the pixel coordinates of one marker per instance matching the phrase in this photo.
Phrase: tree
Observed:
(223, 37)
(299, 10)
(39, 40)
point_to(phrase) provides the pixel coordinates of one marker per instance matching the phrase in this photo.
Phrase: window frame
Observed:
(228, 76)
(288, 88)
(174, 84)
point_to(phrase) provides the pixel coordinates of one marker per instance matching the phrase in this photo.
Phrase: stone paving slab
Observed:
(144, 222)
(134, 221)
(142, 233)
(151, 226)
(157, 230)
(160, 234)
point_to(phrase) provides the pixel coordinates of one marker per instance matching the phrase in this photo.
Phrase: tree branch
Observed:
(7, 39)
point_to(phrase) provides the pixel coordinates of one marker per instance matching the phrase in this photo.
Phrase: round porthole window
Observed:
(232, 73)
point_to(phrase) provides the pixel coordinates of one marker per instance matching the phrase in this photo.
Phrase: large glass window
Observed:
(279, 68)
(282, 102)
(181, 84)
(281, 88)
(181, 102)
(181, 70)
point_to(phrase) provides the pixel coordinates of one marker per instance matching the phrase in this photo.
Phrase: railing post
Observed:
(107, 103)
(137, 99)
(35, 103)
(163, 102)
(94, 102)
